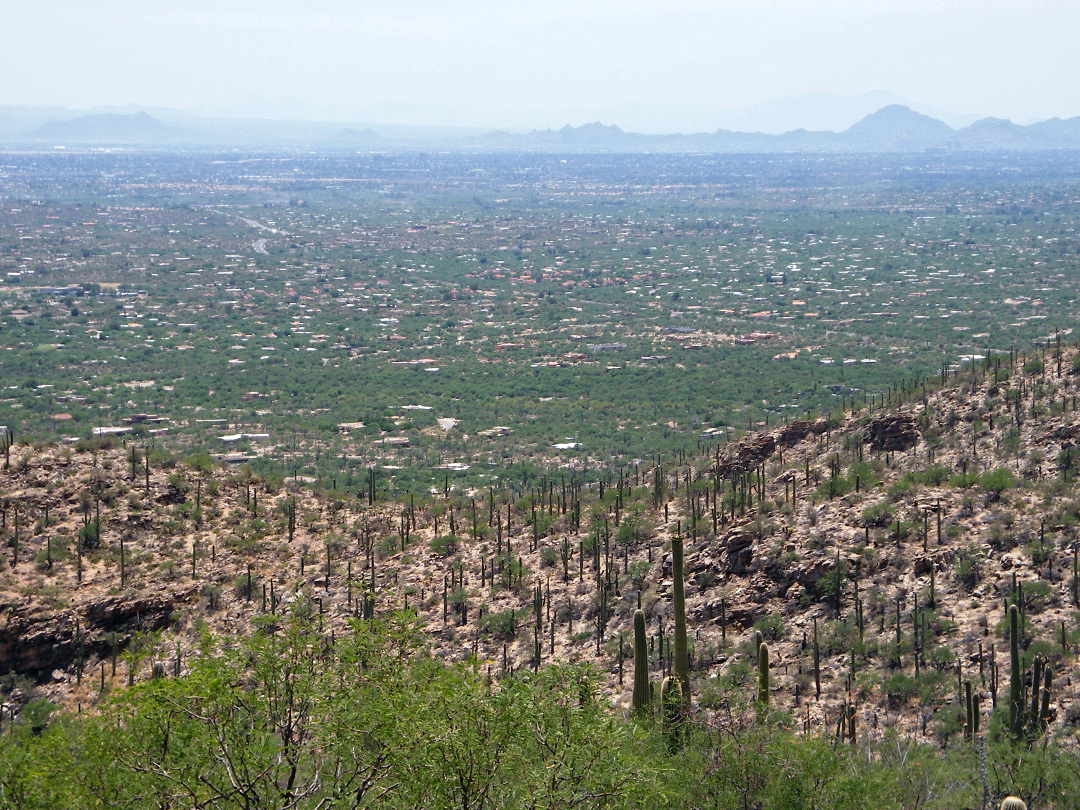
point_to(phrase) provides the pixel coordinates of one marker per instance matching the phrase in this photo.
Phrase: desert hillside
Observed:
(884, 540)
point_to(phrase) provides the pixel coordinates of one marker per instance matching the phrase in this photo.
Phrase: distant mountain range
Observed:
(893, 128)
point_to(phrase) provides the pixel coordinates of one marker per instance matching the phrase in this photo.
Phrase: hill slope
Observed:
(898, 529)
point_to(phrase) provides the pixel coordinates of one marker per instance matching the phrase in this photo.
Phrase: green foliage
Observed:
(997, 481)
(968, 561)
(1036, 595)
(503, 624)
(838, 637)
(444, 545)
(934, 476)
(964, 480)
(839, 484)
(639, 572)
(900, 687)
(201, 462)
(1039, 551)
(36, 714)
(89, 535)
(388, 545)
(878, 515)
(824, 589)
(378, 722)
(400, 730)
(771, 627)
(633, 529)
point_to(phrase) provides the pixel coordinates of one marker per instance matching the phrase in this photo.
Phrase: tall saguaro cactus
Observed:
(640, 700)
(1016, 694)
(763, 674)
(682, 657)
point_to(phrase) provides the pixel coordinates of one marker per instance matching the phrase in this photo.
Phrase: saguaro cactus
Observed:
(671, 707)
(763, 674)
(1016, 695)
(1036, 684)
(969, 722)
(640, 700)
(1043, 716)
(682, 658)
(1013, 803)
(817, 662)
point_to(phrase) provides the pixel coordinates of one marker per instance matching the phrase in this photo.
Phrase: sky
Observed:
(544, 62)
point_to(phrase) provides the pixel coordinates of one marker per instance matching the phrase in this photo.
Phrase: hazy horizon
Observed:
(689, 66)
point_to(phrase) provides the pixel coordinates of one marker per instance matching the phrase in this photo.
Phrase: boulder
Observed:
(736, 549)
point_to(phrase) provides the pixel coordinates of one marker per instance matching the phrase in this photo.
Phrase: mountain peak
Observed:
(592, 130)
(139, 127)
(897, 126)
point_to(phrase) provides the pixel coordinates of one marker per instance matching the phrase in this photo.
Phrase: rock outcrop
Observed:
(748, 455)
(892, 433)
(794, 432)
(35, 644)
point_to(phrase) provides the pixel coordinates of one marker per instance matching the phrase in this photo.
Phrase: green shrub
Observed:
(1039, 551)
(964, 480)
(902, 487)
(90, 536)
(997, 481)
(967, 570)
(504, 624)
(880, 514)
(444, 545)
(901, 687)
(934, 475)
(771, 627)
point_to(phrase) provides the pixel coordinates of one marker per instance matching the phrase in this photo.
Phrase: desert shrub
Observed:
(900, 687)
(996, 482)
(771, 627)
(1039, 551)
(444, 545)
(967, 570)
(90, 536)
(503, 624)
(880, 514)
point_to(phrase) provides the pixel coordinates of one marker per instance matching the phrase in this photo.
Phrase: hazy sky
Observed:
(1016, 59)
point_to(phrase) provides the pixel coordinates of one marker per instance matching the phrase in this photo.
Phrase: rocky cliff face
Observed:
(892, 433)
(34, 643)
